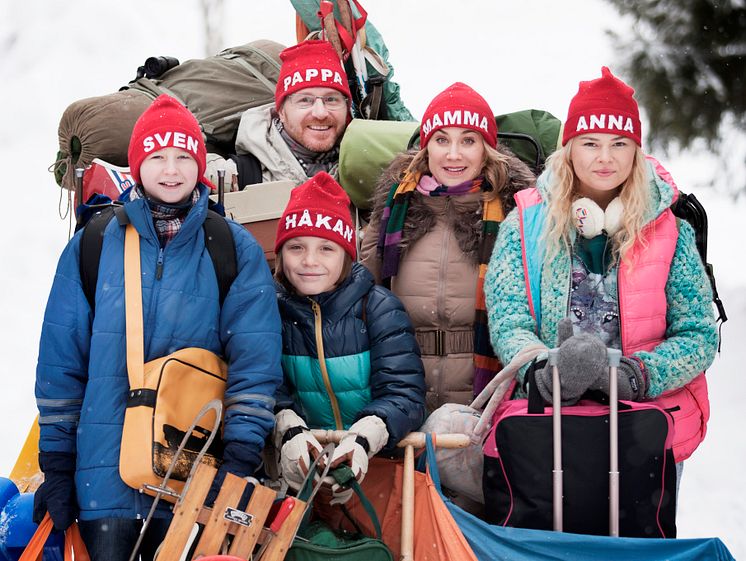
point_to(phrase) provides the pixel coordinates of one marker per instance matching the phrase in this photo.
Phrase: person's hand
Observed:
(296, 445)
(365, 438)
(57, 494)
(296, 456)
(581, 363)
(631, 380)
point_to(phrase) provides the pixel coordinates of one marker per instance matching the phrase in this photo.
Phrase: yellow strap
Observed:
(133, 308)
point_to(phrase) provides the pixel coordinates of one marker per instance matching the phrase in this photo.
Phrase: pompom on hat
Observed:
(459, 106)
(319, 207)
(310, 64)
(603, 105)
(166, 123)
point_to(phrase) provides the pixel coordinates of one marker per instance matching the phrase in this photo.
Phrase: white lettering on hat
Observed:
(175, 139)
(312, 75)
(322, 220)
(456, 118)
(604, 121)
(305, 219)
(290, 221)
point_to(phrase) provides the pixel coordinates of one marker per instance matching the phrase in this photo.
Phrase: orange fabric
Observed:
(301, 31)
(437, 537)
(73, 543)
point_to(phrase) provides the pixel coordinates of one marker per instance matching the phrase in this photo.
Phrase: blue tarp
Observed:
(492, 543)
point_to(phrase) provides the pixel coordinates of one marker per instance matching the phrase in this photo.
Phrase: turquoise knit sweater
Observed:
(691, 337)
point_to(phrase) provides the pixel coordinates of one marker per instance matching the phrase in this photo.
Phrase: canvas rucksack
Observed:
(216, 89)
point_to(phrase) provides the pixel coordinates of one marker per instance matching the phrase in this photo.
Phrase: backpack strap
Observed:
(220, 244)
(91, 242)
(249, 169)
(218, 241)
(687, 207)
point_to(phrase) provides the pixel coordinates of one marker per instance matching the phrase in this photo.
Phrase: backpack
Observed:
(688, 208)
(217, 90)
(218, 241)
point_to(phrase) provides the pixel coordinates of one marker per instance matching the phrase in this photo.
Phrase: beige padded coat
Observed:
(437, 276)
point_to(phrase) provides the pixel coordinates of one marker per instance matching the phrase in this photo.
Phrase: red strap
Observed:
(326, 7)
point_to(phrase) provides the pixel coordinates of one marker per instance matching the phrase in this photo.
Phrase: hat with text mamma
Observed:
(459, 106)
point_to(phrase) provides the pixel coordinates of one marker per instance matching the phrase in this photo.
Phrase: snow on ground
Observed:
(517, 54)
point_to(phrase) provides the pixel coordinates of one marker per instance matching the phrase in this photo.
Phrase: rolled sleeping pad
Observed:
(17, 525)
(367, 148)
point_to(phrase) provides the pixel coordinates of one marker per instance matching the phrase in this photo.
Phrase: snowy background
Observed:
(519, 55)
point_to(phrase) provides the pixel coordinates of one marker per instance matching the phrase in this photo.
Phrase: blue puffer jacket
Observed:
(81, 378)
(372, 358)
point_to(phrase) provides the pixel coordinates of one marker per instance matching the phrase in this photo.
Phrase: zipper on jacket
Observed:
(322, 364)
(159, 265)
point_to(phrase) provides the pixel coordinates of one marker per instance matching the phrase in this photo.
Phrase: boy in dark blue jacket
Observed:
(81, 378)
(349, 354)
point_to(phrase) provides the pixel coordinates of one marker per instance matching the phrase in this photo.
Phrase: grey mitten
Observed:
(581, 362)
(631, 381)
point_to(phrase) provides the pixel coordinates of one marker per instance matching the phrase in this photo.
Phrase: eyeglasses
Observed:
(331, 102)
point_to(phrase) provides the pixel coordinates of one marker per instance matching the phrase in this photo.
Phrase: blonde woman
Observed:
(435, 216)
(594, 258)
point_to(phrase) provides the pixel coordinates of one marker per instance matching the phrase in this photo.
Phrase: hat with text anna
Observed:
(320, 208)
(604, 105)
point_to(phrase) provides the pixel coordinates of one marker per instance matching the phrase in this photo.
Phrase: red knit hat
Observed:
(603, 105)
(166, 123)
(319, 208)
(310, 64)
(459, 106)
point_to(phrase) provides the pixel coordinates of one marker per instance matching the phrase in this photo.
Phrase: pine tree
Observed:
(687, 62)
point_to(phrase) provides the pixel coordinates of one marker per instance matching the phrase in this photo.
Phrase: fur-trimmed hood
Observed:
(467, 226)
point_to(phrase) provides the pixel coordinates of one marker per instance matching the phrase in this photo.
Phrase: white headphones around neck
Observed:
(591, 220)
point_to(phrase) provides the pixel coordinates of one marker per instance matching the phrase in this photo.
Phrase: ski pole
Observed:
(221, 186)
(557, 442)
(614, 356)
(78, 193)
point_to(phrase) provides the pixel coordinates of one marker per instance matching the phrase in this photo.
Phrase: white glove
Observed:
(351, 452)
(216, 162)
(295, 453)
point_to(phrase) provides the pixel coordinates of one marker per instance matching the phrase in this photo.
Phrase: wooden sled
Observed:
(245, 530)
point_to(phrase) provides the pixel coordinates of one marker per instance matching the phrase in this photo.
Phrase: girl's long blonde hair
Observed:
(563, 192)
(494, 169)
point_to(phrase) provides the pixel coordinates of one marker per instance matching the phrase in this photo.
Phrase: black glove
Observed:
(581, 362)
(631, 381)
(237, 463)
(57, 494)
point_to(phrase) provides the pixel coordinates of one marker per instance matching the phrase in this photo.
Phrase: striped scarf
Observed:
(486, 364)
(167, 218)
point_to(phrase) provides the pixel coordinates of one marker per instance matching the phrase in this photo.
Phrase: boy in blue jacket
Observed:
(349, 355)
(81, 378)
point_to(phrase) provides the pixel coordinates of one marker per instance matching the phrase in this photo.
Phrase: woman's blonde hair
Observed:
(564, 191)
(494, 169)
(280, 277)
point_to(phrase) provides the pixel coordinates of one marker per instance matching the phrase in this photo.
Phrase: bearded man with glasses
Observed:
(299, 134)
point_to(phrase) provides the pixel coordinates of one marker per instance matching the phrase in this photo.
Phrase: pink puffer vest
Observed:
(642, 310)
